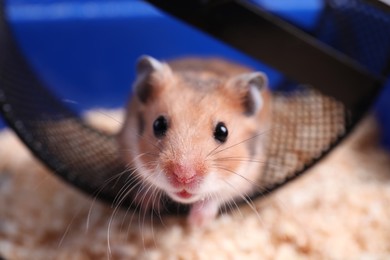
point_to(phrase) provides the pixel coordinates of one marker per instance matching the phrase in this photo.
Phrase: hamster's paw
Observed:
(202, 213)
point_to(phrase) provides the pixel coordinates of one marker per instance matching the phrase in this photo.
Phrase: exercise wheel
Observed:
(332, 74)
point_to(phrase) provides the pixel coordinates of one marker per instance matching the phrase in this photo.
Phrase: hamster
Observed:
(195, 130)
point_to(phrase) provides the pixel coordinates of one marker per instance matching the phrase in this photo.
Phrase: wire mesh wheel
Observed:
(307, 123)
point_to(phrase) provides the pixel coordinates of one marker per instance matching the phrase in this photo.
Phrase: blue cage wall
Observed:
(85, 50)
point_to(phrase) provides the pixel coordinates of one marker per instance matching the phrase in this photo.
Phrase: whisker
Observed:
(144, 211)
(158, 196)
(116, 210)
(126, 169)
(232, 203)
(139, 191)
(247, 200)
(68, 228)
(213, 150)
(127, 188)
(113, 214)
(148, 139)
(137, 180)
(97, 192)
(241, 142)
(155, 193)
(248, 159)
(131, 150)
(131, 179)
(240, 175)
(119, 122)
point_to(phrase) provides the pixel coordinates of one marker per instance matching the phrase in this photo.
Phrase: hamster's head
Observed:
(192, 134)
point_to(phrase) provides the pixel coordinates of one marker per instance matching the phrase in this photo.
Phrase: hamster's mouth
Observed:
(184, 194)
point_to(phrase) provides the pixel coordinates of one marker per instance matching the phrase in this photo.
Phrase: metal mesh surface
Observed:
(359, 30)
(306, 124)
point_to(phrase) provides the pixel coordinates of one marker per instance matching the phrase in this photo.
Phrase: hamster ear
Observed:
(149, 72)
(251, 87)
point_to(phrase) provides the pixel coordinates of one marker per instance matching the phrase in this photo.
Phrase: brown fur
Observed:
(194, 95)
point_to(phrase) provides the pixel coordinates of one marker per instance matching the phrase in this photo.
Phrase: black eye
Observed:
(221, 132)
(160, 126)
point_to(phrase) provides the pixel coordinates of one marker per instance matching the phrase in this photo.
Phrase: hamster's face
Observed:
(193, 138)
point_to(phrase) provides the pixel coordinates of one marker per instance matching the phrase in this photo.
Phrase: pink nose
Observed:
(183, 174)
(184, 179)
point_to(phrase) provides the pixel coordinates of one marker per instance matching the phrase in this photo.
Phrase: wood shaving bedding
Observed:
(338, 210)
